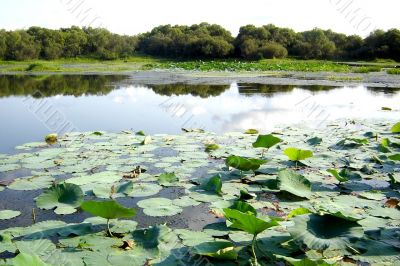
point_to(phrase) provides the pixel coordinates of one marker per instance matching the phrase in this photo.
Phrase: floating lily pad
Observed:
(99, 178)
(222, 250)
(114, 191)
(64, 197)
(294, 183)
(144, 189)
(168, 179)
(159, 207)
(325, 232)
(9, 167)
(9, 214)
(31, 183)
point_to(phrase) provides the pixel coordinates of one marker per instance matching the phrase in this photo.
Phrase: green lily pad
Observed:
(324, 232)
(211, 147)
(9, 214)
(295, 154)
(244, 164)
(168, 179)
(107, 209)
(294, 183)
(266, 141)
(25, 259)
(9, 167)
(394, 157)
(144, 189)
(64, 197)
(213, 184)
(248, 222)
(98, 178)
(222, 250)
(396, 128)
(159, 207)
(314, 141)
(106, 191)
(344, 175)
(31, 183)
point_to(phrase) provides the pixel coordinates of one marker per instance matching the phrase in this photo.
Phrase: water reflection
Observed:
(115, 103)
(46, 86)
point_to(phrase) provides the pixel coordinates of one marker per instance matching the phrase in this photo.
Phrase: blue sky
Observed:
(131, 17)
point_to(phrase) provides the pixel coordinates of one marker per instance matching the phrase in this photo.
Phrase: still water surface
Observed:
(31, 107)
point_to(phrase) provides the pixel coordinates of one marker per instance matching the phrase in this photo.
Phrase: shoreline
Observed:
(299, 78)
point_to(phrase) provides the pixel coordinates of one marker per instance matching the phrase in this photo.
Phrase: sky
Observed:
(134, 16)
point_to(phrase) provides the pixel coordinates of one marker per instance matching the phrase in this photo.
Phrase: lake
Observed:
(33, 106)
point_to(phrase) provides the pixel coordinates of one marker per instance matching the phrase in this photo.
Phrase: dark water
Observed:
(33, 106)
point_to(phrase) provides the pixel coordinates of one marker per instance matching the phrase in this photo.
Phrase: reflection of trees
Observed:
(377, 91)
(44, 86)
(270, 90)
(203, 91)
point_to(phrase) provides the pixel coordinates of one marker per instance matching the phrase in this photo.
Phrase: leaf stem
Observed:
(108, 228)
(253, 250)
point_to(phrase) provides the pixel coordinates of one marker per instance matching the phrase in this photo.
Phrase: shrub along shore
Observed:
(201, 41)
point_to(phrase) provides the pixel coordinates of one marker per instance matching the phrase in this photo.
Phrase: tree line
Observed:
(198, 41)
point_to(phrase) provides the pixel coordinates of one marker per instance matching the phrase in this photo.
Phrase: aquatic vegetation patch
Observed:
(338, 203)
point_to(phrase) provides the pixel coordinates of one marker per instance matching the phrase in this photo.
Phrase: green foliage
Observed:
(396, 128)
(248, 222)
(393, 71)
(166, 179)
(251, 131)
(344, 175)
(244, 164)
(25, 259)
(295, 154)
(64, 197)
(294, 183)
(367, 69)
(222, 250)
(266, 141)
(199, 41)
(213, 184)
(325, 232)
(211, 147)
(107, 209)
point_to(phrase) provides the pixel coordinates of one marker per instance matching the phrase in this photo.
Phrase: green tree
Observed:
(3, 44)
(21, 46)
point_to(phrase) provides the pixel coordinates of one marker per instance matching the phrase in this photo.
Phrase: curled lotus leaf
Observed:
(321, 232)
